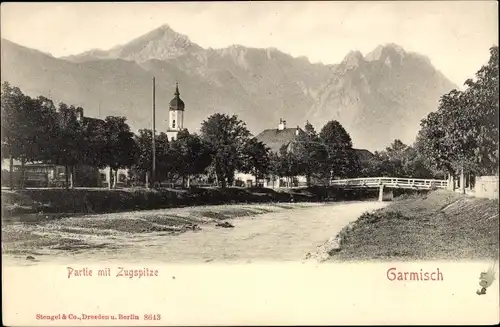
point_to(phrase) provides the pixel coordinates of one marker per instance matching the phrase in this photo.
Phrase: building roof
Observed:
(176, 103)
(275, 138)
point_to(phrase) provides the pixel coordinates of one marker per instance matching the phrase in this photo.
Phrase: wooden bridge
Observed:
(390, 183)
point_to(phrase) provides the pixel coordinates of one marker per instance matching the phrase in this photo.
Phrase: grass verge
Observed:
(439, 225)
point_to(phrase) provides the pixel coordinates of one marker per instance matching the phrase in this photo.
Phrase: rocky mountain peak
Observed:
(162, 43)
(164, 27)
(377, 98)
(165, 34)
(353, 59)
(382, 52)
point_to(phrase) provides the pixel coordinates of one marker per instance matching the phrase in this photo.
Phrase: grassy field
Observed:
(439, 225)
(54, 202)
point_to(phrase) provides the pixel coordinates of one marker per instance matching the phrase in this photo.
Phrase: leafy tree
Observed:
(375, 166)
(118, 146)
(397, 160)
(164, 162)
(274, 165)
(462, 135)
(414, 165)
(27, 127)
(45, 118)
(342, 160)
(481, 109)
(311, 153)
(433, 142)
(284, 163)
(16, 126)
(143, 163)
(144, 155)
(255, 158)
(191, 155)
(69, 142)
(226, 136)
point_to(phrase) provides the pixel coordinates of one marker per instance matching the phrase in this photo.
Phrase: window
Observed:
(173, 123)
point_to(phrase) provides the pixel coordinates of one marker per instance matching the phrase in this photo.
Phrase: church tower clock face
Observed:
(176, 115)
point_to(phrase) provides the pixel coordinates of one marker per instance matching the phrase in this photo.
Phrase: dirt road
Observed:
(285, 235)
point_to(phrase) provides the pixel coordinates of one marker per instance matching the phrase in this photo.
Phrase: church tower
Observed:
(176, 115)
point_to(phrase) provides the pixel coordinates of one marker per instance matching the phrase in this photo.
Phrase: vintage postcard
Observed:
(250, 163)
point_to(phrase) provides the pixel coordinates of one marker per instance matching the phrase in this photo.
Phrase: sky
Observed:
(455, 35)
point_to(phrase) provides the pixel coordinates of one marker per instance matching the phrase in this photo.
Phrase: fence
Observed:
(391, 182)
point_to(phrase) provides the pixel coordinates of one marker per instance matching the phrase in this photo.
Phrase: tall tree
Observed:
(144, 154)
(119, 149)
(342, 160)
(397, 160)
(226, 136)
(462, 135)
(481, 97)
(310, 153)
(284, 164)
(69, 141)
(274, 165)
(27, 128)
(255, 158)
(16, 127)
(143, 162)
(191, 155)
(164, 161)
(44, 114)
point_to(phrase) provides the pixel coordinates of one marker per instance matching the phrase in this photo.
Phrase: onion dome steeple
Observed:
(176, 103)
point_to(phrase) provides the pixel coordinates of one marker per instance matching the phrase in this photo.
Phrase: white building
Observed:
(274, 139)
(176, 115)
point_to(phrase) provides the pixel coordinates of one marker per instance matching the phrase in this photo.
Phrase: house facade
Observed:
(274, 139)
(39, 174)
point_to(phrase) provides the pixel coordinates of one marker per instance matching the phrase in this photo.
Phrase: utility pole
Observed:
(153, 173)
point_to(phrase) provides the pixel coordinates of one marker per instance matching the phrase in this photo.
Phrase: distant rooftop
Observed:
(276, 138)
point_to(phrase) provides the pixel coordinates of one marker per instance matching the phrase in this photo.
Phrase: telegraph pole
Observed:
(153, 173)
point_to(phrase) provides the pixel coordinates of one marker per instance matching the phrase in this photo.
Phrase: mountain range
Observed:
(377, 97)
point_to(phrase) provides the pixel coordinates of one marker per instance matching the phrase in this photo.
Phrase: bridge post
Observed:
(385, 193)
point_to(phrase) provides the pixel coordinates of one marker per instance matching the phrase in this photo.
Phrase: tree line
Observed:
(462, 135)
(35, 130)
(459, 138)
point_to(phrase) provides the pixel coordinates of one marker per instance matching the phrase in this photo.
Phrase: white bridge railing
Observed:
(414, 183)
